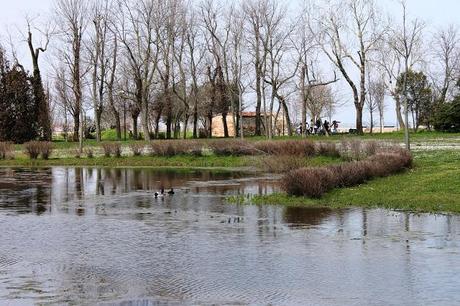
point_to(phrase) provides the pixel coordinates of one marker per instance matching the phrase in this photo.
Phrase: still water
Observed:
(98, 236)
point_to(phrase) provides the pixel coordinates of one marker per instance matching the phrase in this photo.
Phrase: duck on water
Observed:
(162, 193)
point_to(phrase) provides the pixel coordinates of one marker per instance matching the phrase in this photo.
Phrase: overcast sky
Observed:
(436, 13)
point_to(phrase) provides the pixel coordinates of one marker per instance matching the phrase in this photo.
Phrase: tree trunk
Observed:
(210, 125)
(145, 119)
(41, 103)
(258, 131)
(98, 124)
(76, 125)
(135, 130)
(359, 119)
(195, 121)
(372, 122)
(185, 126)
(399, 116)
(286, 115)
(303, 125)
(168, 126)
(224, 123)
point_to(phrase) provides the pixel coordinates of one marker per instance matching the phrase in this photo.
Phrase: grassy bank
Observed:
(433, 185)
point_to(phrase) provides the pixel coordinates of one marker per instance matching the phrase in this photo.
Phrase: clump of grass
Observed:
(327, 149)
(314, 182)
(46, 149)
(137, 149)
(76, 153)
(231, 147)
(89, 152)
(310, 182)
(111, 148)
(287, 147)
(34, 149)
(281, 164)
(6, 150)
(169, 148)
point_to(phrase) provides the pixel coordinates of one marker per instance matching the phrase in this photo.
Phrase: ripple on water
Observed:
(101, 237)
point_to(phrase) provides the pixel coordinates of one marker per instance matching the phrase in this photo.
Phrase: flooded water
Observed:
(99, 236)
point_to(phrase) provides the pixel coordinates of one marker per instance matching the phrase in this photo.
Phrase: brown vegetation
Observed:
(137, 148)
(112, 148)
(34, 149)
(6, 150)
(314, 182)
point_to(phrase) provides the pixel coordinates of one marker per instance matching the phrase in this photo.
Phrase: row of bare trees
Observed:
(180, 63)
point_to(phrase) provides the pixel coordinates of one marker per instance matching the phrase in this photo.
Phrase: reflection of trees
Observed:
(306, 216)
(26, 191)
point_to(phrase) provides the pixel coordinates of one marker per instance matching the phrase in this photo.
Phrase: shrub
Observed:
(111, 148)
(309, 182)
(168, 148)
(116, 149)
(314, 182)
(231, 147)
(6, 150)
(287, 147)
(371, 148)
(89, 152)
(46, 148)
(36, 148)
(76, 153)
(327, 149)
(282, 163)
(107, 148)
(137, 148)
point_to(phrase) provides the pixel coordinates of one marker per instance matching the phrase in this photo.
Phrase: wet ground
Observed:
(99, 236)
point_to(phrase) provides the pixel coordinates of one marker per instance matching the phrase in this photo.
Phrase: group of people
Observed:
(320, 128)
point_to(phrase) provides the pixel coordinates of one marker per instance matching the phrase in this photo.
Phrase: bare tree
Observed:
(406, 39)
(195, 57)
(376, 93)
(43, 109)
(446, 45)
(276, 41)
(72, 15)
(350, 40)
(100, 57)
(308, 52)
(217, 41)
(137, 32)
(255, 11)
(111, 88)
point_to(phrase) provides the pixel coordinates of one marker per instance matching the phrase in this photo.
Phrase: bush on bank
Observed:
(315, 182)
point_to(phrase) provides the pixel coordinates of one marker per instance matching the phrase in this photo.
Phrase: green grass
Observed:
(179, 161)
(138, 161)
(433, 185)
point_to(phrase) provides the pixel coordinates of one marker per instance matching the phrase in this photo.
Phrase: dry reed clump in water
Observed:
(314, 182)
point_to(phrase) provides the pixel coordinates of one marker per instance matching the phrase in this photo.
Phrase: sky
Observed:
(436, 13)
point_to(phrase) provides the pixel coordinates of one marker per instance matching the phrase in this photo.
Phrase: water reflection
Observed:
(87, 236)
